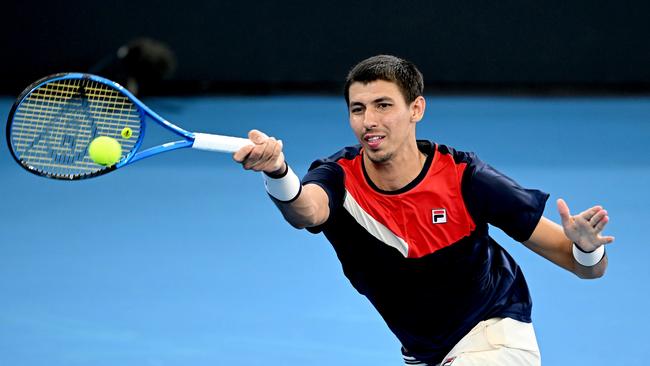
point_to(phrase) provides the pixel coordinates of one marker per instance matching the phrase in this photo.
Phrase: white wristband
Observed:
(588, 259)
(286, 188)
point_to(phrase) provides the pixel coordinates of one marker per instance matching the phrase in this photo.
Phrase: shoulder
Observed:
(459, 157)
(465, 163)
(330, 170)
(346, 153)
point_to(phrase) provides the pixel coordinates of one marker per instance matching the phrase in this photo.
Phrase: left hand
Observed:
(584, 229)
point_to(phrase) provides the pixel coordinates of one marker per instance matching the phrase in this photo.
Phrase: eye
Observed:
(356, 110)
(383, 106)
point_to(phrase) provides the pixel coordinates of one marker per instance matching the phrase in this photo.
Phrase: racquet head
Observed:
(54, 120)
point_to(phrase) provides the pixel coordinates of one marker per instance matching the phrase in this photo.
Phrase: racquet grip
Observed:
(218, 143)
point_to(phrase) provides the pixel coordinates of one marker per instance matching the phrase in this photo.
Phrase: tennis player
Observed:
(409, 219)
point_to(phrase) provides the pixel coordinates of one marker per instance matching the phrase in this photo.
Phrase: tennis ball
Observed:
(105, 150)
(127, 133)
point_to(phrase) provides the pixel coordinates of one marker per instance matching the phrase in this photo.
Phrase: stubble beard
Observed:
(380, 158)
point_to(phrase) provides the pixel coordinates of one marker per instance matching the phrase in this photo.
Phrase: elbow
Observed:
(591, 273)
(298, 225)
(303, 221)
(301, 224)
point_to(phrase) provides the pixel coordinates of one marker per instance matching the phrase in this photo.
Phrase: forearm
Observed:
(307, 209)
(302, 206)
(591, 272)
(549, 241)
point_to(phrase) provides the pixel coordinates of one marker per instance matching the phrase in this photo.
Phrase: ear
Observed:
(417, 109)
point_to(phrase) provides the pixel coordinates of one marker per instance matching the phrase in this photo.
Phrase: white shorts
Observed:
(496, 341)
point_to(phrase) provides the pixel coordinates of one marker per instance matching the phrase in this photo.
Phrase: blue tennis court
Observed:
(182, 259)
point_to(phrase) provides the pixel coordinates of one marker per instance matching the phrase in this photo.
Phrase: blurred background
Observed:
(269, 46)
(181, 259)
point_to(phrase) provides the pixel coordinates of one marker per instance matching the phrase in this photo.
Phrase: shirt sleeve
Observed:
(330, 176)
(492, 197)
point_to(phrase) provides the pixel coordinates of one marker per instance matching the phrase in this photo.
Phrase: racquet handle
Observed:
(218, 143)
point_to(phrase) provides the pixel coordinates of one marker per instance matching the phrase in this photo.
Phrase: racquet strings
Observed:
(54, 124)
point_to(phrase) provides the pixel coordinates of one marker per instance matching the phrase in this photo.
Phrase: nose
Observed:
(369, 119)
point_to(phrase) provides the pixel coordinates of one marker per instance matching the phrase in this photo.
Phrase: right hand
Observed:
(264, 156)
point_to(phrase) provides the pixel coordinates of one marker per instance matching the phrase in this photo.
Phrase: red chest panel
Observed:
(428, 217)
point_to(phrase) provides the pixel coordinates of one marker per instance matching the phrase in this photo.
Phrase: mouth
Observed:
(373, 141)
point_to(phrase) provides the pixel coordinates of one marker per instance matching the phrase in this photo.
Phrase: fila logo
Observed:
(439, 215)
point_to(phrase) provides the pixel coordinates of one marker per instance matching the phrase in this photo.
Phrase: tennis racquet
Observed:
(54, 120)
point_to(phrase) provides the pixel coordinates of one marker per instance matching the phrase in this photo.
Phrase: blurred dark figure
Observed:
(140, 65)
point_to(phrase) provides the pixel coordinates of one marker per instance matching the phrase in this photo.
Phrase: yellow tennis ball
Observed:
(105, 150)
(127, 133)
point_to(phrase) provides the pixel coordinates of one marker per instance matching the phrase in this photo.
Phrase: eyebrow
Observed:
(382, 99)
(376, 101)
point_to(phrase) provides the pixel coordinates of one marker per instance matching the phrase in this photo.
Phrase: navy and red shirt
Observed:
(422, 254)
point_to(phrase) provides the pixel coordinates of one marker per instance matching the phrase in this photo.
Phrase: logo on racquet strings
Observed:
(66, 139)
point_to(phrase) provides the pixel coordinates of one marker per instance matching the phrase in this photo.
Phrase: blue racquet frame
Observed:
(190, 139)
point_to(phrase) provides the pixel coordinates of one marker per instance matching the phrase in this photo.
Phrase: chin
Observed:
(379, 158)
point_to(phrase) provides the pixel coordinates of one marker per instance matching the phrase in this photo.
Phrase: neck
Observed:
(398, 171)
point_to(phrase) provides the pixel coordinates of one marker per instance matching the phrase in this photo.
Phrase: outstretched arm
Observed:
(302, 207)
(556, 243)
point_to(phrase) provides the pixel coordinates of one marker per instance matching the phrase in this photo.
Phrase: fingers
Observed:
(258, 156)
(265, 155)
(606, 240)
(565, 214)
(597, 216)
(258, 137)
(599, 220)
(590, 212)
(242, 153)
(277, 150)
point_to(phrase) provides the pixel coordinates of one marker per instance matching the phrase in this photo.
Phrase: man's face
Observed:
(381, 119)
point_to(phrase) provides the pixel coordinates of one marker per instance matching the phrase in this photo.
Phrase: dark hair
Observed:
(388, 68)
